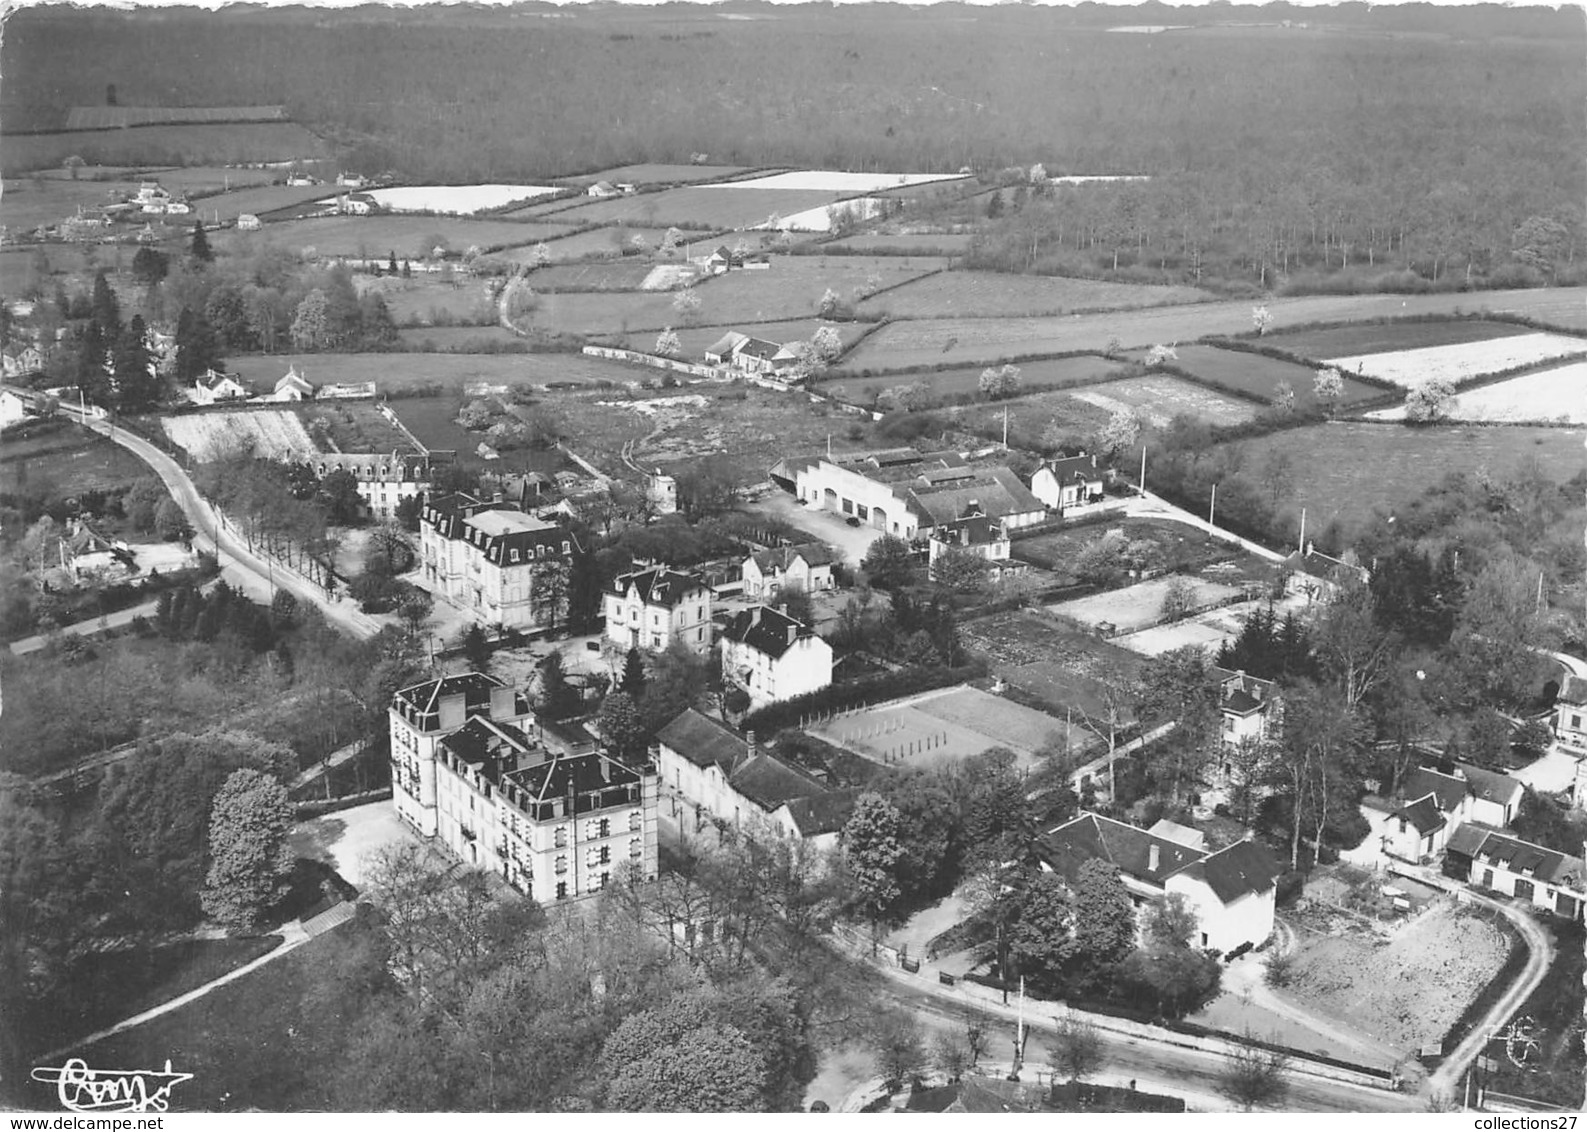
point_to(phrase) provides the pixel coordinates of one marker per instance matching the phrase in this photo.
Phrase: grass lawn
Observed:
(984, 293)
(951, 382)
(1351, 466)
(407, 236)
(566, 244)
(429, 299)
(456, 339)
(698, 206)
(617, 275)
(1259, 375)
(453, 371)
(1344, 341)
(69, 461)
(354, 426)
(1028, 418)
(110, 986)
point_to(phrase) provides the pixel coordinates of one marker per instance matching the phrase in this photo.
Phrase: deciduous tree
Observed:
(250, 863)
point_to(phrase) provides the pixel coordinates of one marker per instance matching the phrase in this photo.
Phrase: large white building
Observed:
(483, 557)
(1232, 891)
(773, 657)
(471, 770)
(384, 479)
(1065, 484)
(807, 566)
(650, 609)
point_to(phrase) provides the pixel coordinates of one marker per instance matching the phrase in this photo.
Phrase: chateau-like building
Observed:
(650, 609)
(484, 558)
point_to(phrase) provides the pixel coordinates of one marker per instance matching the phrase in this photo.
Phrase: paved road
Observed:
(259, 576)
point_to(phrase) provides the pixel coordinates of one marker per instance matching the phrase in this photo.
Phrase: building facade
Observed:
(767, 572)
(651, 609)
(472, 771)
(485, 558)
(1064, 484)
(773, 657)
(384, 479)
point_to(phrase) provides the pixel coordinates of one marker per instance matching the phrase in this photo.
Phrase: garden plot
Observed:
(457, 200)
(1405, 986)
(1551, 395)
(1051, 661)
(274, 433)
(1137, 606)
(944, 727)
(1461, 362)
(1159, 398)
(824, 181)
(1203, 630)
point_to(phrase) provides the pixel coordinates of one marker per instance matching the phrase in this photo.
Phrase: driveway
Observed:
(852, 542)
(344, 840)
(1554, 772)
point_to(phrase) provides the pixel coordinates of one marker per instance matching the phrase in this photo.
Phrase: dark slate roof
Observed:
(781, 557)
(771, 783)
(1423, 814)
(1468, 838)
(702, 741)
(658, 585)
(998, 491)
(822, 813)
(1544, 864)
(420, 704)
(1573, 690)
(574, 774)
(1491, 786)
(1237, 870)
(481, 740)
(1447, 790)
(972, 530)
(1075, 467)
(764, 629)
(1089, 836)
(759, 348)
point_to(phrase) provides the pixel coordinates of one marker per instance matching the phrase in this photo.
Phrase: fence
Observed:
(392, 419)
(654, 361)
(345, 802)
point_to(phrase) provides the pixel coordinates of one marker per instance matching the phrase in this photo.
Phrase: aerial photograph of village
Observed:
(767, 557)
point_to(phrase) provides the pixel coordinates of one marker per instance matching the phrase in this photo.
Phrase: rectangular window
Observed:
(655, 640)
(635, 849)
(605, 877)
(561, 867)
(605, 857)
(634, 820)
(562, 890)
(603, 828)
(848, 507)
(560, 838)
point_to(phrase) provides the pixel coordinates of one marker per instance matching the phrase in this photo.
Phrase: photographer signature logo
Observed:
(82, 1089)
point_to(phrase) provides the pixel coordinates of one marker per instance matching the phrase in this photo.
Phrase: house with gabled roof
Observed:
(807, 566)
(652, 608)
(707, 768)
(1246, 704)
(1570, 714)
(473, 772)
(22, 360)
(1431, 805)
(971, 533)
(484, 558)
(212, 388)
(1543, 878)
(773, 657)
(1232, 890)
(1064, 484)
(293, 387)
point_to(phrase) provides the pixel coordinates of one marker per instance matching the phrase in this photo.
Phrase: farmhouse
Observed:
(1068, 483)
(1570, 714)
(485, 558)
(807, 566)
(653, 608)
(1231, 890)
(247, 222)
(1431, 806)
(213, 388)
(20, 361)
(384, 479)
(773, 657)
(472, 770)
(704, 765)
(293, 387)
(601, 190)
(906, 493)
(971, 533)
(1544, 878)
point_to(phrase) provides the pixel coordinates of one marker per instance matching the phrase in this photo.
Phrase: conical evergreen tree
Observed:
(200, 246)
(106, 309)
(633, 681)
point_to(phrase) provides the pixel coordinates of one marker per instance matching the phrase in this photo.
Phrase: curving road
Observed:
(252, 572)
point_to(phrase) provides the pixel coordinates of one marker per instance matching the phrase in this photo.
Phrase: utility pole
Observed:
(1302, 547)
(1212, 508)
(1143, 471)
(1005, 428)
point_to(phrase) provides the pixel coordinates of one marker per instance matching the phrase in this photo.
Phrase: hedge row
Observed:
(1277, 353)
(866, 690)
(939, 367)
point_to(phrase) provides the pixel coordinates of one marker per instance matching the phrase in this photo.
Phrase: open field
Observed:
(459, 339)
(68, 462)
(952, 382)
(1383, 338)
(453, 371)
(912, 244)
(694, 340)
(1350, 466)
(407, 236)
(701, 206)
(926, 342)
(428, 297)
(458, 200)
(944, 727)
(1050, 660)
(258, 201)
(973, 294)
(1405, 986)
(1161, 397)
(202, 144)
(1137, 606)
(25, 205)
(658, 174)
(1550, 395)
(1203, 630)
(276, 433)
(618, 275)
(1259, 375)
(828, 181)
(433, 421)
(1028, 418)
(595, 243)
(213, 178)
(1464, 361)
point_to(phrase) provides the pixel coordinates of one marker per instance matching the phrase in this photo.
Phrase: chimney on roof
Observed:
(749, 744)
(454, 711)
(754, 616)
(793, 633)
(1153, 858)
(502, 701)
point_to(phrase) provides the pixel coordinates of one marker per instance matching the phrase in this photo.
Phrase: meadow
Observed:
(66, 462)
(458, 339)
(956, 382)
(429, 298)
(701, 206)
(925, 243)
(201, 144)
(392, 372)
(1259, 375)
(1351, 466)
(1160, 397)
(1385, 337)
(969, 294)
(406, 236)
(27, 204)
(620, 275)
(565, 242)
(653, 173)
(1558, 394)
(1462, 362)
(1028, 418)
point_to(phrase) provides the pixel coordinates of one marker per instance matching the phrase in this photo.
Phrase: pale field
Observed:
(820, 219)
(275, 433)
(1139, 605)
(461, 200)
(833, 182)
(1550, 395)
(1159, 398)
(1460, 362)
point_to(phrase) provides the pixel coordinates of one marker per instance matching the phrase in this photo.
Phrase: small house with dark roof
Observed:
(1544, 878)
(773, 657)
(971, 533)
(1074, 481)
(1570, 714)
(473, 771)
(1431, 805)
(709, 770)
(1246, 704)
(1232, 890)
(652, 608)
(483, 557)
(807, 566)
